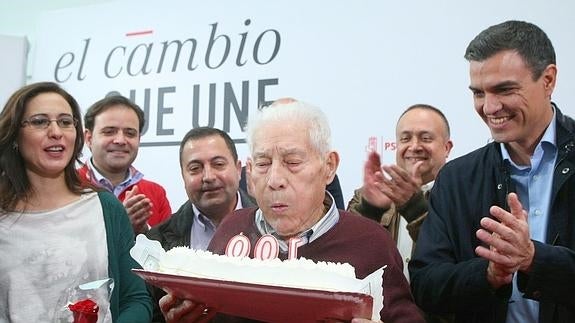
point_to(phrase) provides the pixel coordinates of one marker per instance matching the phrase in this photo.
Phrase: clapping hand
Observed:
(397, 187)
(510, 246)
(139, 209)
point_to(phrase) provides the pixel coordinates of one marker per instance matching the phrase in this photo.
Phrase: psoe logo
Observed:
(380, 144)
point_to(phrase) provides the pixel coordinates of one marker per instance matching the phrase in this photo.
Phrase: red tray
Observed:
(263, 302)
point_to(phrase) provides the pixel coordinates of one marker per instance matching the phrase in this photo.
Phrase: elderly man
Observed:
(399, 201)
(291, 163)
(211, 173)
(498, 244)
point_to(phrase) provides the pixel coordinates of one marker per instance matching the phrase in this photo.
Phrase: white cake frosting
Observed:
(298, 273)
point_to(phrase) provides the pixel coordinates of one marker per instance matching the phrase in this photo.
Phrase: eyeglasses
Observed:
(43, 122)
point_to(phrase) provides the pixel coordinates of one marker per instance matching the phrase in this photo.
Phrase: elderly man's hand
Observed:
(176, 310)
(355, 320)
(358, 320)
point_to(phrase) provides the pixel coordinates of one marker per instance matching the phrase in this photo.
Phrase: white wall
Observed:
(19, 17)
(12, 65)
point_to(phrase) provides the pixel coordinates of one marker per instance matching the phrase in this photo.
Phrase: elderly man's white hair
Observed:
(288, 110)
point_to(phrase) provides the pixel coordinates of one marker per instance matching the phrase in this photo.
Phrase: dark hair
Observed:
(108, 102)
(429, 108)
(203, 132)
(14, 182)
(528, 40)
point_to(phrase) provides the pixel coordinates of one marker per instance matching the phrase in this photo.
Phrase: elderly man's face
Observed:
(289, 177)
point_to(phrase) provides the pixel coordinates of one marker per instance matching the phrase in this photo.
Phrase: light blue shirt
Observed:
(203, 228)
(317, 230)
(533, 185)
(133, 177)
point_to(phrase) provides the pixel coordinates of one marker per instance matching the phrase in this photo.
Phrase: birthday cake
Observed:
(298, 273)
(234, 283)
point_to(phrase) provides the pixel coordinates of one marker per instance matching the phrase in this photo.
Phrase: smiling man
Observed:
(398, 201)
(211, 173)
(113, 129)
(210, 170)
(498, 244)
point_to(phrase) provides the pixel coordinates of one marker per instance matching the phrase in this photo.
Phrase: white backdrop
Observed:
(362, 62)
(12, 65)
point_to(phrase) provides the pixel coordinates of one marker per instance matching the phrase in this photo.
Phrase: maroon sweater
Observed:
(356, 240)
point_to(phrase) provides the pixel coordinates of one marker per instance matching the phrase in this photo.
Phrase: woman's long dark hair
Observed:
(14, 183)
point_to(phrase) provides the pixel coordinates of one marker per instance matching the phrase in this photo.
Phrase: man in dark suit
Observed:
(211, 173)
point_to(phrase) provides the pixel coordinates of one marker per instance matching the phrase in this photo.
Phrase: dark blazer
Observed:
(175, 232)
(447, 275)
